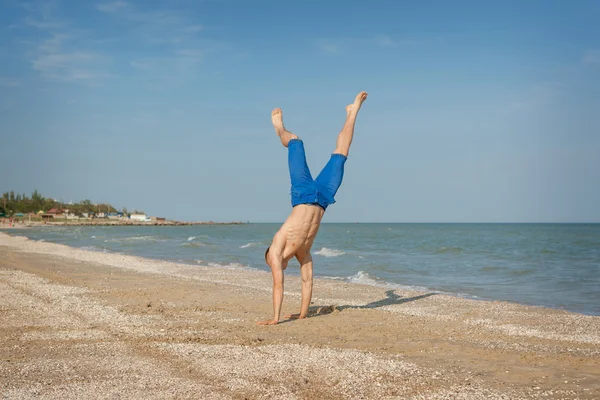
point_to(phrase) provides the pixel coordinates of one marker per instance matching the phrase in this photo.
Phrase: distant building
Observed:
(116, 215)
(139, 217)
(57, 212)
(47, 216)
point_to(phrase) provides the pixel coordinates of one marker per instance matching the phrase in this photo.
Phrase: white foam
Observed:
(228, 266)
(325, 252)
(251, 244)
(134, 239)
(96, 249)
(90, 248)
(191, 238)
(363, 278)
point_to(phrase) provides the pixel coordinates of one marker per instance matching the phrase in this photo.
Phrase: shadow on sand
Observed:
(390, 299)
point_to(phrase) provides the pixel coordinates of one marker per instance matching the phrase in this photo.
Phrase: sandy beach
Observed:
(76, 324)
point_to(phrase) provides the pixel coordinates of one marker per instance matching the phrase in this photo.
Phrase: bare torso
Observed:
(298, 232)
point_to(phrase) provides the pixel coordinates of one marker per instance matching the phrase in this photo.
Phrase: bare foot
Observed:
(354, 107)
(284, 134)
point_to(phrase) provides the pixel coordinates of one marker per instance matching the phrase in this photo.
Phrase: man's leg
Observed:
(330, 178)
(300, 177)
(344, 139)
(284, 134)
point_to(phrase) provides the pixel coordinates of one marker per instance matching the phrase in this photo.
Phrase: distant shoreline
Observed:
(115, 223)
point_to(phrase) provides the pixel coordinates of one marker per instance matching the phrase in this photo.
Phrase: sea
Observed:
(549, 265)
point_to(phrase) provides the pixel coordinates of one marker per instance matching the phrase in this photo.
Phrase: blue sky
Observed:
(477, 111)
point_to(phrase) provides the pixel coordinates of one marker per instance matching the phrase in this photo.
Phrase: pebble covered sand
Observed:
(76, 324)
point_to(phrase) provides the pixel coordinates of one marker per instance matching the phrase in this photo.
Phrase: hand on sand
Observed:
(269, 322)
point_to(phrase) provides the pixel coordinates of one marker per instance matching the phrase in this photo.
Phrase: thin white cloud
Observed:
(537, 96)
(61, 54)
(170, 66)
(142, 65)
(328, 47)
(162, 72)
(339, 45)
(59, 61)
(110, 7)
(591, 56)
(154, 18)
(58, 58)
(171, 31)
(67, 54)
(192, 28)
(156, 26)
(189, 52)
(9, 82)
(383, 40)
(53, 43)
(43, 24)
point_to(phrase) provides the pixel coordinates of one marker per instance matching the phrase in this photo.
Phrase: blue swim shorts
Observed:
(305, 189)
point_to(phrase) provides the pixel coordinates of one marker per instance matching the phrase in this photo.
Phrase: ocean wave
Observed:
(364, 278)
(96, 249)
(490, 268)
(193, 244)
(520, 272)
(89, 248)
(445, 250)
(325, 252)
(191, 238)
(548, 251)
(134, 239)
(251, 244)
(228, 266)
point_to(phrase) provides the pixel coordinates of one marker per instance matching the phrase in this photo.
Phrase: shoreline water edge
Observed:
(84, 324)
(551, 266)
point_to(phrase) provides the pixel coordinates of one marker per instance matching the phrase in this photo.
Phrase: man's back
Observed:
(298, 232)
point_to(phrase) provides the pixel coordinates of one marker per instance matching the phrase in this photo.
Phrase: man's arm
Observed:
(306, 272)
(277, 272)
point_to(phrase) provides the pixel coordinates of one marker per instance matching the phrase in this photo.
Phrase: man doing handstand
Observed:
(310, 198)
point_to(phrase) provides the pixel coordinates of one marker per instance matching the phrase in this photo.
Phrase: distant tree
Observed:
(37, 201)
(21, 203)
(124, 211)
(48, 204)
(86, 206)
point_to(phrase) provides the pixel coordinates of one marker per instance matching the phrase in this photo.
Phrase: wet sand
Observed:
(76, 324)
